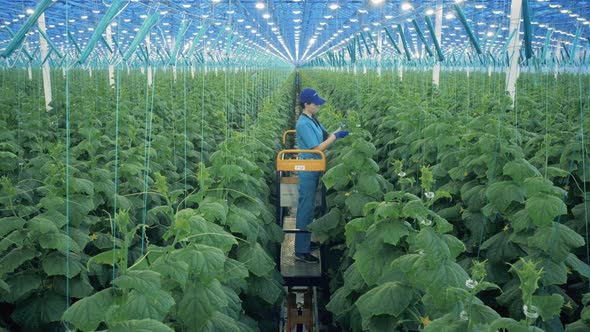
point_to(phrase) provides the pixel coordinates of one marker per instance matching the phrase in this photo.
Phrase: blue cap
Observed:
(311, 96)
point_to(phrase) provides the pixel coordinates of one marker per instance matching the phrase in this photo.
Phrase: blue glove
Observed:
(341, 134)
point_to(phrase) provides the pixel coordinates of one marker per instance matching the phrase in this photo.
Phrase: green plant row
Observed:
(189, 246)
(453, 208)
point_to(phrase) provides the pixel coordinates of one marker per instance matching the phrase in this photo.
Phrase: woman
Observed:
(311, 135)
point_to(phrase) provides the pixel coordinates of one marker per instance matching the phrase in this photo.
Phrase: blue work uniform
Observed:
(310, 134)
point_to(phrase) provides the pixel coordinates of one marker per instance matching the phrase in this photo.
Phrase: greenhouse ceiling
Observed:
(292, 32)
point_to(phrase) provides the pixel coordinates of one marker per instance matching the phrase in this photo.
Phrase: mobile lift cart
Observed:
(300, 310)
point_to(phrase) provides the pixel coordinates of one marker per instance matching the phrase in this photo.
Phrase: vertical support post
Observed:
(513, 70)
(438, 34)
(46, 73)
(557, 52)
(400, 68)
(380, 47)
(149, 67)
(111, 68)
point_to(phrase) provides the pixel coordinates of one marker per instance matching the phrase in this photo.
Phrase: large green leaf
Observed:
(173, 269)
(9, 224)
(548, 306)
(256, 259)
(340, 304)
(21, 284)
(575, 263)
(87, 313)
(145, 281)
(415, 209)
(142, 325)
(199, 303)
(373, 260)
(499, 248)
(139, 305)
(391, 298)
(220, 322)
(503, 193)
(356, 202)
(78, 287)
(432, 244)
(387, 231)
(356, 227)
(543, 208)
(536, 185)
(244, 222)
(37, 311)
(15, 258)
(208, 233)
(60, 242)
(368, 184)
(557, 240)
(447, 323)
(267, 288)
(204, 261)
(326, 226)
(520, 169)
(55, 264)
(337, 176)
(213, 209)
(16, 237)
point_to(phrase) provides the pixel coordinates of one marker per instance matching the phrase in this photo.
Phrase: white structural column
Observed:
(46, 73)
(400, 68)
(438, 35)
(111, 68)
(514, 49)
(557, 53)
(149, 67)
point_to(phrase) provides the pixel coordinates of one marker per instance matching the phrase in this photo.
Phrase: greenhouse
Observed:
(294, 165)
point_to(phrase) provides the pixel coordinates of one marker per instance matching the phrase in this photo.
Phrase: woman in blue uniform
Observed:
(311, 135)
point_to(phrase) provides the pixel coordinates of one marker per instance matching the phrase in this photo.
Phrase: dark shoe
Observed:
(314, 245)
(307, 258)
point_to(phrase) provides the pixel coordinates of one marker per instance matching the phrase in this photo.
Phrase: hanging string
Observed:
(582, 139)
(149, 114)
(116, 180)
(67, 93)
(185, 133)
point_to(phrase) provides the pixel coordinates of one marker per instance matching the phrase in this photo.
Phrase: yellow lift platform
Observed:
(300, 311)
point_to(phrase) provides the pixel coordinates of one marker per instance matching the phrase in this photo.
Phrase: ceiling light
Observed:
(296, 12)
(266, 16)
(377, 2)
(363, 11)
(186, 5)
(490, 33)
(450, 16)
(333, 6)
(30, 11)
(259, 5)
(406, 6)
(354, 20)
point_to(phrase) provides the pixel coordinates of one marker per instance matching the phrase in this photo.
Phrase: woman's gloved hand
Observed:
(341, 134)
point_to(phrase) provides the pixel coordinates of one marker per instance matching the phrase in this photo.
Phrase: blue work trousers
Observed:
(308, 183)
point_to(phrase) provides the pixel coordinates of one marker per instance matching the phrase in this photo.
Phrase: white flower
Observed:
(426, 222)
(470, 283)
(530, 312)
(429, 194)
(401, 174)
(463, 315)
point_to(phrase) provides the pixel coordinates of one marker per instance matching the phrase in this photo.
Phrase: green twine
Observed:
(149, 111)
(118, 94)
(185, 133)
(584, 166)
(67, 93)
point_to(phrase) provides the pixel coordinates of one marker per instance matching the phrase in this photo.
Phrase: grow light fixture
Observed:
(429, 12)
(450, 16)
(377, 2)
(259, 5)
(406, 6)
(334, 6)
